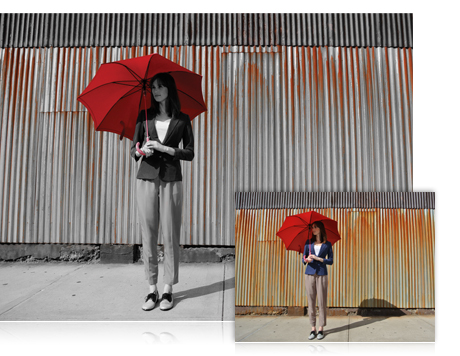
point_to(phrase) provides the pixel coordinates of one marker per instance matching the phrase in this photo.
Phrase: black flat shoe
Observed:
(320, 335)
(312, 335)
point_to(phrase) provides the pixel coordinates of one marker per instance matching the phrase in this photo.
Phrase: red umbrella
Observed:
(119, 90)
(296, 230)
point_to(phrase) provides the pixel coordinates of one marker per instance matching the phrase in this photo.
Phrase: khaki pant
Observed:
(316, 286)
(160, 201)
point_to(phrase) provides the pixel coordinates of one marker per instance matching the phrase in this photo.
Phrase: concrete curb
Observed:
(49, 252)
(106, 253)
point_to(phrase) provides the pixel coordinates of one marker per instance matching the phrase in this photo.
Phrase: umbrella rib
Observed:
(303, 230)
(303, 220)
(131, 92)
(296, 226)
(113, 106)
(134, 74)
(122, 82)
(331, 231)
(190, 97)
(110, 83)
(148, 66)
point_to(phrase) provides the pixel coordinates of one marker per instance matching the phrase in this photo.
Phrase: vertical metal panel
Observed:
(385, 257)
(162, 29)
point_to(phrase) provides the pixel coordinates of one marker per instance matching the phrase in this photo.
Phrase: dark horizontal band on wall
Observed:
(301, 311)
(117, 30)
(319, 200)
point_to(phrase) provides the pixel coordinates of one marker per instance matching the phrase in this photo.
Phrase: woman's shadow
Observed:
(216, 287)
(368, 308)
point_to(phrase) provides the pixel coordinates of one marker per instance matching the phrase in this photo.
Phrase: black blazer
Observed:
(161, 164)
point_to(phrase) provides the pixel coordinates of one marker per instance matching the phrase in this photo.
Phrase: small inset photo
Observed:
(334, 267)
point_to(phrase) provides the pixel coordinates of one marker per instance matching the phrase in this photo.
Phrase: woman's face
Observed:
(160, 92)
(315, 230)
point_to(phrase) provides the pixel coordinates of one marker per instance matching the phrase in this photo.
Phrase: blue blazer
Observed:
(316, 266)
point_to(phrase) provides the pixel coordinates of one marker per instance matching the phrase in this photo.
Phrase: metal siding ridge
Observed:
(326, 200)
(4, 24)
(16, 24)
(178, 29)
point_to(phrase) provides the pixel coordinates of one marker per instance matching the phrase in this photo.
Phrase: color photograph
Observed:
(343, 267)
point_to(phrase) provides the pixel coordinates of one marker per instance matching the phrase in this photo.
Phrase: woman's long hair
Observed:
(322, 231)
(172, 101)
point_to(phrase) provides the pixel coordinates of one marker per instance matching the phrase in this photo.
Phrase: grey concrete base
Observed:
(88, 292)
(206, 254)
(261, 310)
(107, 253)
(296, 311)
(300, 311)
(406, 328)
(30, 252)
(118, 253)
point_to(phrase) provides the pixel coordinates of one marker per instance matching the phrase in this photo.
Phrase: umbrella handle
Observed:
(139, 150)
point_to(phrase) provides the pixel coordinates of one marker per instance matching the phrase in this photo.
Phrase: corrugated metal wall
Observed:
(279, 118)
(119, 30)
(385, 257)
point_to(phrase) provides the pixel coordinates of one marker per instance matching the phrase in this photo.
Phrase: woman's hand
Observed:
(315, 258)
(155, 145)
(307, 259)
(148, 151)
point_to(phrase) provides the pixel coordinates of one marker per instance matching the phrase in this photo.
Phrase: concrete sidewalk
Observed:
(406, 328)
(67, 291)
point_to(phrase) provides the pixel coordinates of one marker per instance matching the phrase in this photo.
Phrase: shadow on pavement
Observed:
(204, 290)
(377, 310)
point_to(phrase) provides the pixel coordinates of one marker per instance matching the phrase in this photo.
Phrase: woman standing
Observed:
(316, 280)
(159, 183)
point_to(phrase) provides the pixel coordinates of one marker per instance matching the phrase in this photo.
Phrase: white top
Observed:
(317, 248)
(162, 128)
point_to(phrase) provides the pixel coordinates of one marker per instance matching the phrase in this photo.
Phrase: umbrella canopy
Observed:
(119, 90)
(296, 230)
